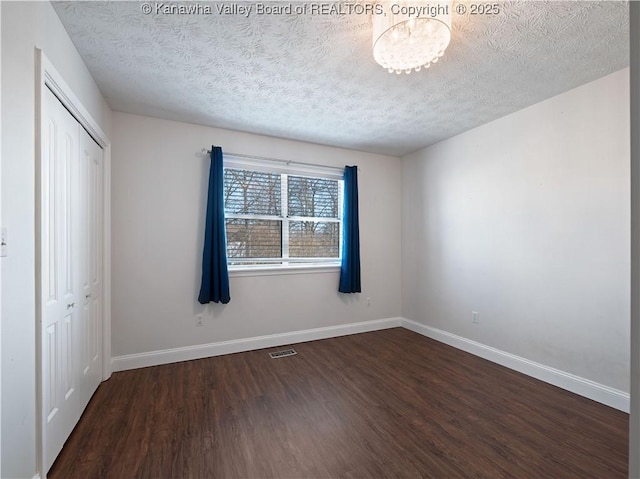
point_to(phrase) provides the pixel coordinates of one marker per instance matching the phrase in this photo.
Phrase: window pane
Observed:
(313, 197)
(251, 192)
(254, 238)
(314, 239)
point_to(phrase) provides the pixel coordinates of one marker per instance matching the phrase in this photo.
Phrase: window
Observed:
(276, 215)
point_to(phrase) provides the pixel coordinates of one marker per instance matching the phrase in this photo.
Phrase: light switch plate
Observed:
(3, 242)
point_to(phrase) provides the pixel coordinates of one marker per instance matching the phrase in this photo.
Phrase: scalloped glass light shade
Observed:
(404, 43)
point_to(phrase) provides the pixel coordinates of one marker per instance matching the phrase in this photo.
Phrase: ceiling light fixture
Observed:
(410, 35)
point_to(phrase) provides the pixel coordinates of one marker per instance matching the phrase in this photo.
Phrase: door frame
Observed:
(48, 77)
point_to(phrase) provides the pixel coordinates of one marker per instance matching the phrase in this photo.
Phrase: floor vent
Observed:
(283, 354)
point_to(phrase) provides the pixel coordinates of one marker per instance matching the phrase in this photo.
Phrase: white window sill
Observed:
(273, 270)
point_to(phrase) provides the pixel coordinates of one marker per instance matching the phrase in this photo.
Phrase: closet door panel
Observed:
(60, 262)
(91, 187)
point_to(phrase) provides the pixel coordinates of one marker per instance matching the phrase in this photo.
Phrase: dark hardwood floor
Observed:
(383, 404)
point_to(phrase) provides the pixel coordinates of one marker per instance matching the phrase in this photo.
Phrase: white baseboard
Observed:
(584, 387)
(576, 384)
(166, 356)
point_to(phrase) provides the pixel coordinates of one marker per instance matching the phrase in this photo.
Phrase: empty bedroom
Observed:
(319, 239)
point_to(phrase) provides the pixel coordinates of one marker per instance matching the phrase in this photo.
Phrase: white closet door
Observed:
(70, 232)
(60, 274)
(91, 275)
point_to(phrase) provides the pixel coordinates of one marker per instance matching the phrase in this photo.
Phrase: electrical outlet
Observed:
(475, 317)
(368, 301)
(199, 320)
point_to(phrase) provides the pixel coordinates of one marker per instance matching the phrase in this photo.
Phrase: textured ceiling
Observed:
(313, 77)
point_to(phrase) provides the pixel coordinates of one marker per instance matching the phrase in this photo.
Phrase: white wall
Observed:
(158, 199)
(526, 220)
(1, 223)
(25, 26)
(634, 420)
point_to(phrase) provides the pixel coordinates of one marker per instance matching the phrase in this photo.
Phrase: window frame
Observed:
(286, 169)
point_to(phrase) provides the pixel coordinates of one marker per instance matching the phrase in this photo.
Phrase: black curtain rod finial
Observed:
(204, 150)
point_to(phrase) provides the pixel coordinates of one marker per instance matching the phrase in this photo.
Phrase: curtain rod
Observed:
(288, 162)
